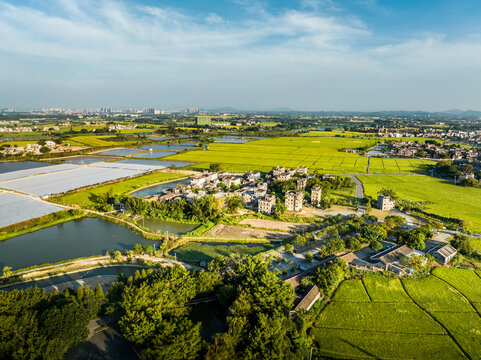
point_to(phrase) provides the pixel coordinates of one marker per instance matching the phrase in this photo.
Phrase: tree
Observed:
(463, 244)
(353, 244)
(308, 256)
(373, 232)
(279, 209)
(299, 240)
(330, 276)
(393, 221)
(215, 167)
(289, 247)
(7, 271)
(45, 149)
(232, 203)
(388, 192)
(117, 255)
(375, 245)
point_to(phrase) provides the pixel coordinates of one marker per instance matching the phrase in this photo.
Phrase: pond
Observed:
(9, 166)
(120, 152)
(74, 239)
(167, 147)
(164, 226)
(165, 163)
(236, 139)
(157, 189)
(154, 154)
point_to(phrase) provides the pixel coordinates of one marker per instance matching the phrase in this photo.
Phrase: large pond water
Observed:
(8, 166)
(157, 189)
(74, 239)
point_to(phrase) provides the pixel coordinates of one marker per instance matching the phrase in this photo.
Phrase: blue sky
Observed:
(255, 55)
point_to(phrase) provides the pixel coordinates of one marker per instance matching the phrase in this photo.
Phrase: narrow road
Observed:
(359, 188)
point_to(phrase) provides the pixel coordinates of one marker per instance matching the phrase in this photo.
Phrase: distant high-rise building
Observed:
(203, 120)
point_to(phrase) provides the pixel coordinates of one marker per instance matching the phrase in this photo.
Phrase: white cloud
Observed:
(301, 58)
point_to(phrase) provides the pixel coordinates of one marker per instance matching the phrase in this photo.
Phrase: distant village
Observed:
(33, 149)
(429, 151)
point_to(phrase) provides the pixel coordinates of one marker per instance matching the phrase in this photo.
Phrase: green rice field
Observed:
(445, 198)
(325, 154)
(424, 318)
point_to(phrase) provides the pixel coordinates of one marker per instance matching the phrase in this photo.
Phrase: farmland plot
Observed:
(431, 320)
(442, 196)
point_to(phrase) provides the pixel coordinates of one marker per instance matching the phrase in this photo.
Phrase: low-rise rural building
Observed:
(302, 170)
(443, 253)
(294, 200)
(316, 192)
(301, 183)
(385, 203)
(267, 204)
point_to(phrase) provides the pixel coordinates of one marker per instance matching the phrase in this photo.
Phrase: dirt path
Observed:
(280, 225)
(238, 231)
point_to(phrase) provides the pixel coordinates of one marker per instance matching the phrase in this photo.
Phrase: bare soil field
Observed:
(237, 231)
(280, 225)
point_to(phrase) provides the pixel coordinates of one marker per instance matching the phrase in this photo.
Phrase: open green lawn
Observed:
(447, 199)
(437, 323)
(195, 252)
(83, 198)
(317, 153)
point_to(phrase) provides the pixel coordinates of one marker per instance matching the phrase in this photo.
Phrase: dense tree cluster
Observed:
(415, 238)
(258, 326)
(156, 317)
(34, 325)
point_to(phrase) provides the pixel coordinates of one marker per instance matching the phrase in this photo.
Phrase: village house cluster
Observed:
(16, 129)
(431, 151)
(472, 137)
(122, 127)
(395, 258)
(251, 186)
(32, 149)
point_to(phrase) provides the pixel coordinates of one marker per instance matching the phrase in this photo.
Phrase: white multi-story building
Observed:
(294, 200)
(267, 204)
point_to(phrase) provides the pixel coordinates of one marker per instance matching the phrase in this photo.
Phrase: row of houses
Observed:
(394, 258)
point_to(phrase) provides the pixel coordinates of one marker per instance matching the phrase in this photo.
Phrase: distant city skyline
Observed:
(307, 55)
